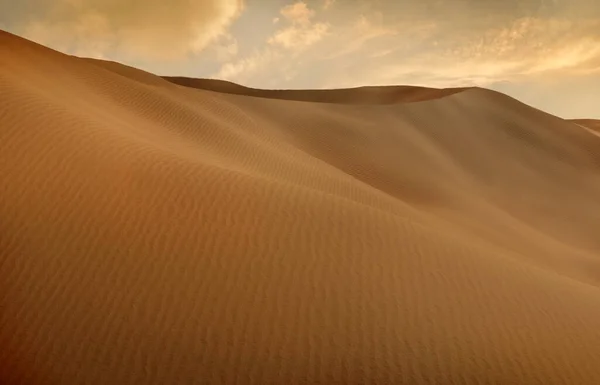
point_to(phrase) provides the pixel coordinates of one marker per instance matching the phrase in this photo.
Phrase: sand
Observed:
(179, 231)
(591, 124)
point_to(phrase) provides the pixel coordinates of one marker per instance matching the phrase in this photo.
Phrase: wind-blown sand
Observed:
(152, 233)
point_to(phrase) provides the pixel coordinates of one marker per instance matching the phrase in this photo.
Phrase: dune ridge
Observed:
(592, 124)
(179, 231)
(358, 95)
(366, 95)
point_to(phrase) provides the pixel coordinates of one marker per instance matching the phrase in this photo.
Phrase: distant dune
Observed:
(360, 95)
(181, 231)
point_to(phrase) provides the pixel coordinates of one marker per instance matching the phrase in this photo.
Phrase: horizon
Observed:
(544, 53)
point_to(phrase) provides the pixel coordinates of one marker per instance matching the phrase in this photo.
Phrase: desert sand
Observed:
(179, 231)
(590, 124)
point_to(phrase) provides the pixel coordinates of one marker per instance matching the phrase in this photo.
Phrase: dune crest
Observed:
(154, 231)
(592, 124)
(359, 95)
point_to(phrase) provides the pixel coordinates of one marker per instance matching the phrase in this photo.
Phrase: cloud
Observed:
(339, 43)
(258, 60)
(298, 34)
(532, 45)
(295, 38)
(363, 30)
(152, 29)
(367, 49)
(302, 32)
(225, 47)
(298, 13)
(328, 4)
(525, 47)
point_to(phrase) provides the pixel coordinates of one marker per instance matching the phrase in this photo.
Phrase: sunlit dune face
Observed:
(158, 230)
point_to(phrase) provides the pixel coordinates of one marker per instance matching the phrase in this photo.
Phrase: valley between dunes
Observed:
(186, 231)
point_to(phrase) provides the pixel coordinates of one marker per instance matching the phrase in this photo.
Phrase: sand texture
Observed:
(156, 231)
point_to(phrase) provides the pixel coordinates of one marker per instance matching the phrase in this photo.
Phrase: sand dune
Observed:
(359, 95)
(154, 231)
(592, 124)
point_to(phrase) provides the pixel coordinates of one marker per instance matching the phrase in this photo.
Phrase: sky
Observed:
(545, 53)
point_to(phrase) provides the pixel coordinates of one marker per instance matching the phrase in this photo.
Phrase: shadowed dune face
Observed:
(153, 231)
(361, 95)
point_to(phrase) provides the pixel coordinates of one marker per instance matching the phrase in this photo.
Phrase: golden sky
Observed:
(544, 52)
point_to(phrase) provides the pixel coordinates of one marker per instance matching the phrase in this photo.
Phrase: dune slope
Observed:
(592, 124)
(155, 231)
